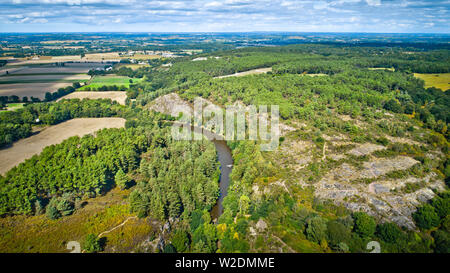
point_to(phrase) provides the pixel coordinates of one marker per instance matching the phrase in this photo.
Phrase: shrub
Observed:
(337, 233)
(121, 179)
(92, 244)
(389, 232)
(441, 241)
(316, 229)
(441, 206)
(52, 213)
(180, 241)
(426, 217)
(364, 224)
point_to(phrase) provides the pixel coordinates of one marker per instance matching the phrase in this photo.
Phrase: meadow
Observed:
(441, 80)
(110, 80)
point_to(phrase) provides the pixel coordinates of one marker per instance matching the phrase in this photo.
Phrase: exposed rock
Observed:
(261, 225)
(366, 149)
(378, 198)
(382, 166)
(170, 104)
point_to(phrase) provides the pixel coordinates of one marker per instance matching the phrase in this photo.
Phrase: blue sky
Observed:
(224, 16)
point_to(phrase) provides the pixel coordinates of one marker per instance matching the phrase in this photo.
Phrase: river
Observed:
(226, 165)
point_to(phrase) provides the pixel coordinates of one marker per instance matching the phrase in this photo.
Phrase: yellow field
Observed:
(382, 68)
(133, 66)
(40, 234)
(441, 80)
(145, 57)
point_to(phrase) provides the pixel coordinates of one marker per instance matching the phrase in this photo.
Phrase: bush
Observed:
(316, 229)
(337, 233)
(426, 217)
(441, 206)
(52, 213)
(441, 241)
(394, 106)
(121, 179)
(180, 241)
(365, 225)
(389, 232)
(92, 244)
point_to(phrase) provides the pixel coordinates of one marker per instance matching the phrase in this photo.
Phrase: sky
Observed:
(382, 16)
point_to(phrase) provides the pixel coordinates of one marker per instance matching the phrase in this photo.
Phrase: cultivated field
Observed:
(119, 96)
(43, 78)
(26, 148)
(102, 56)
(441, 80)
(70, 68)
(99, 81)
(36, 90)
(245, 73)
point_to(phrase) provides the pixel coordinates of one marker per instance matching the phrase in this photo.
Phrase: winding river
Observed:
(226, 165)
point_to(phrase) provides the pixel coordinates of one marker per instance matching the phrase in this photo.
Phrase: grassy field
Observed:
(40, 234)
(382, 68)
(441, 80)
(99, 81)
(13, 106)
(133, 66)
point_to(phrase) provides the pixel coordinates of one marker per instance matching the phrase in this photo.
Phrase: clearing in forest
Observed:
(441, 81)
(245, 73)
(33, 145)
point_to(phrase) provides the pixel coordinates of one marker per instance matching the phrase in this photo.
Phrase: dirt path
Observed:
(27, 147)
(118, 226)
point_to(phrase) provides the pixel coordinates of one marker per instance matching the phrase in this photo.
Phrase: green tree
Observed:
(365, 225)
(92, 244)
(389, 232)
(180, 240)
(441, 241)
(337, 233)
(316, 229)
(441, 206)
(52, 212)
(121, 179)
(426, 217)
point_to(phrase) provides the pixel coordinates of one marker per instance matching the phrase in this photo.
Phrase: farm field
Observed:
(36, 90)
(110, 80)
(18, 78)
(102, 56)
(119, 96)
(441, 80)
(27, 147)
(70, 68)
(245, 73)
(132, 66)
(145, 57)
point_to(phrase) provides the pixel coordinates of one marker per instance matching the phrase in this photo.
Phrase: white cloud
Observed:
(373, 2)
